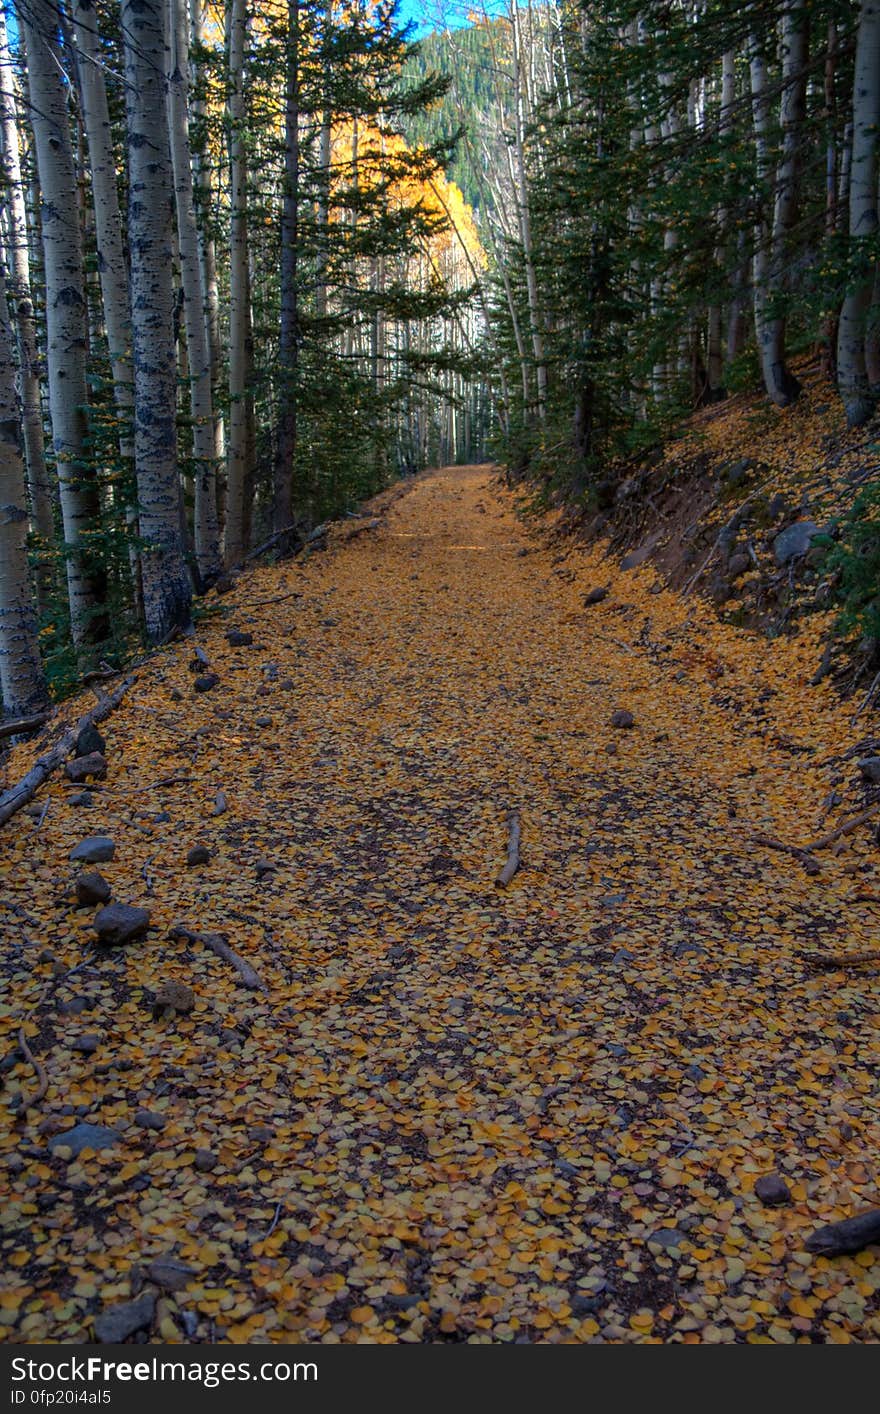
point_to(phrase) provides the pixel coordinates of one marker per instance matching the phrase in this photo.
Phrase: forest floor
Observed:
(456, 1112)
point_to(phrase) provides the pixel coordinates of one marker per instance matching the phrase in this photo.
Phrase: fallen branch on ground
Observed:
(217, 944)
(512, 864)
(801, 855)
(39, 1071)
(13, 799)
(833, 961)
(851, 1235)
(23, 724)
(846, 828)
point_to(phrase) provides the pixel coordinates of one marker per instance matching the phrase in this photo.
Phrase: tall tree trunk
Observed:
(203, 193)
(205, 530)
(16, 242)
(240, 335)
(22, 685)
(770, 322)
(288, 348)
(521, 197)
(66, 316)
(852, 375)
(166, 584)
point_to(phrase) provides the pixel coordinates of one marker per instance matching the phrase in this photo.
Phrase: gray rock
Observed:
(870, 769)
(199, 854)
(667, 1237)
(237, 639)
(595, 596)
(735, 473)
(84, 768)
(190, 1322)
(205, 682)
(170, 1274)
(119, 923)
(88, 1043)
(97, 849)
(794, 541)
(622, 956)
(638, 557)
(738, 565)
(81, 797)
(89, 740)
(263, 721)
(150, 1119)
(91, 889)
(623, 720)
(402, 1302)
(205, 1161)
(772, 1190)
(85, 1136)
(116, 1323)
(682, 949)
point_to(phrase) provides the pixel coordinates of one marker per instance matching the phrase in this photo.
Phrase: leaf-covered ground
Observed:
(456, 1113)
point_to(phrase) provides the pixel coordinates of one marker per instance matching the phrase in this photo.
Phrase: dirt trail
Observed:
(456, 1113)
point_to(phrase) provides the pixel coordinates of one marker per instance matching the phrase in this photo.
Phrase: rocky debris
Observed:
(794, 541)
(263, 721)
(738, 565)
(91, 889)
(150, 1119)
(170, 1273)
(97, 849)
(84, 768)
(623, 956)
(205, 1161)
(120, 923)
(116, 1323)
(772, 1190)
(733, 474)
(236, 638)
(264, 868)
(176, 695)
(88, 1043)
(682, 949)
(90, 740)
(199, 854)
(81, 797)
(666, 1237)
(869, 767)
(220, 804)
(623, 720)
(638, 557)
(595, 596)
(85, 1136)
(205, 682)
(172, 999)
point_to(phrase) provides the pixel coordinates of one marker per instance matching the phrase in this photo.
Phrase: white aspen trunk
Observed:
(198, 348)
(22, 685)
(521, 196)
(66, 317)
(203, 189)
(16, 243)
(239, 292)
(781, 385)
(852, 374)
(166, 583)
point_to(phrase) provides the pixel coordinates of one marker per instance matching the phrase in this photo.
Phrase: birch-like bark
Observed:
(203, 193)
(166, 584)
(22, 685)
(521, 197)
(21, 298)
(240, 336)
(66, 319)
(852, 373)
(205, 528)
(770, 322)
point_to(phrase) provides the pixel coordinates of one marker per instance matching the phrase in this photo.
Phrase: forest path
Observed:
(456, 1112)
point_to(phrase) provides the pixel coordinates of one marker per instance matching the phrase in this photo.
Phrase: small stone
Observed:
(176, 695)
(869, 767)
(170, 1274)
(236, 638)
(118, 1322)
(88, 1043)
(81, 797)
(199, 854)
(205, 682)
(91, 889)
(205, 1161)
(622, 956)
(739, 563)
(150, 1119)
(75, 1007)
(119, 923)
(666, 1237)
(623, 720)
(90, 740)
(85, 1136)
(682, 949)
(45, 955)
(265, 867)
(190, 1322)
(83, 768)
(402, 1301)
(772, 1190)
(595, 596)
(174, 995)
(97, 849)
(263, 721)
(582, 1305)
